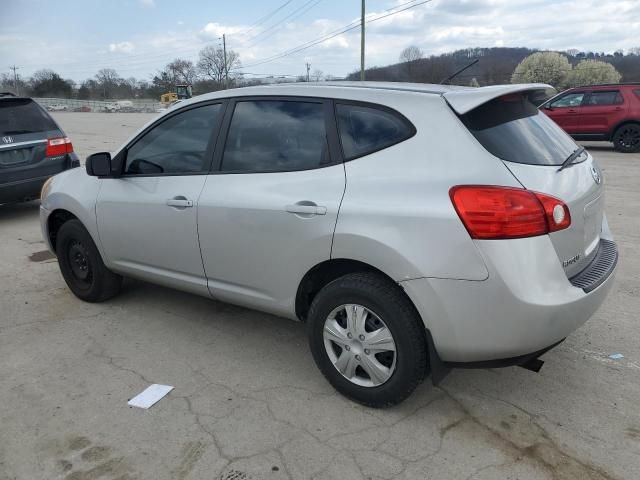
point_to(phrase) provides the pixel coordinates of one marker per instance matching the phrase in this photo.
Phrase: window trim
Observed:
(120, 159)
(612, 90)
(375, 106)
(330, 129)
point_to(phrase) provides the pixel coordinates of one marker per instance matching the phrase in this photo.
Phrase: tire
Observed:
(385, 306)
(626, 139)
(82, 266)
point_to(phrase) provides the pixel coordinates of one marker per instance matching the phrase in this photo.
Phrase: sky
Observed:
(76, 38)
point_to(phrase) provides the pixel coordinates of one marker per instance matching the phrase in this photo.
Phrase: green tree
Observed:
(543, 67)
(593, 72)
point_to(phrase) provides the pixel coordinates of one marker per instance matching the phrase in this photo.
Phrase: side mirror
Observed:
(548, 107)
(99, 164)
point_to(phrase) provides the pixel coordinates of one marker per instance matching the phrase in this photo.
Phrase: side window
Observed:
(364, 130)
(275, 135)
(570, 100)
(613, 97)
(177, 145)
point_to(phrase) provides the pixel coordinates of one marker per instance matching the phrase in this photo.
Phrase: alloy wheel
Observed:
(630, 137)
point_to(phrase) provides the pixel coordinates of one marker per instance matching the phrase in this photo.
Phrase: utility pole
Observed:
(15, 78)
(308, 68)
(226, 65)
(362, 43)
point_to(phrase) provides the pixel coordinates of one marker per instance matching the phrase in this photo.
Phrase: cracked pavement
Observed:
(249, 402)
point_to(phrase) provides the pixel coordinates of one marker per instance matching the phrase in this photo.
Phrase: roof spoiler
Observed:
(463, 101)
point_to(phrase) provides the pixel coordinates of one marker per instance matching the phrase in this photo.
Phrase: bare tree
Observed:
(183, 71)
(212, 65)
(317, 75)
(409, 56)
(107, 79)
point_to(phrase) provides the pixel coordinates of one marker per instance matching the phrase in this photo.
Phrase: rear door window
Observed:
(613, 97)
(276, 136)
(367, 129)
(21, 116)
(512, 128)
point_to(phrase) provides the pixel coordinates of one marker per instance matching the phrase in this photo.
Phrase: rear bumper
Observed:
(29, 188)
(525, 305)
(22, 190)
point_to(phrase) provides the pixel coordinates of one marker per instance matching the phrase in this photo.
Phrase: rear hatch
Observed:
(533, 148)
(25, 129)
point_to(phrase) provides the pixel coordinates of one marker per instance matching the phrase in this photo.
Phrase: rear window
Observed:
(22, 115)
(365, 130)
(512, 128)
(613, 97)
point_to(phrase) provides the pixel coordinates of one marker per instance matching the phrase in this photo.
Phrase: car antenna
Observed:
(450, 77)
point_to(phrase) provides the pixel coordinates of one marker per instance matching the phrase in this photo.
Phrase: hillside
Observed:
(495, 66)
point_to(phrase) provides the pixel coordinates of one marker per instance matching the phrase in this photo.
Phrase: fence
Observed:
(137, 105)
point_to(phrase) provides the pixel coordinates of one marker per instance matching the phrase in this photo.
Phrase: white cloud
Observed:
(121, 47)
(437, 27)
(148, 3)
(214, 30)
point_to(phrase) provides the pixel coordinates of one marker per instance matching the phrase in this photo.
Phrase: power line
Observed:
(131, 62)
(336, 33)
(296, 14)
(265, 18)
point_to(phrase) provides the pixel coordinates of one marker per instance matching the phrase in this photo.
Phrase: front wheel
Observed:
(627, 138)
(82, 266)
(367, 339)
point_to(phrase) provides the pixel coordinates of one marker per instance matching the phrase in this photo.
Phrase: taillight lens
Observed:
(58, 146)
(492, 212)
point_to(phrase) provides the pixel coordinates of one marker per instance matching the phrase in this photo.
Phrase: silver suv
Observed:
(413, 227)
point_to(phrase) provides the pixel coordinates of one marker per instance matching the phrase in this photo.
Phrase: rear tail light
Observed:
(491, 212)
(58, 146)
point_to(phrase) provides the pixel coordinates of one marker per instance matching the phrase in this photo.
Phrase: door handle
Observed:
(571, 110)
(179, 202)
(306, 209)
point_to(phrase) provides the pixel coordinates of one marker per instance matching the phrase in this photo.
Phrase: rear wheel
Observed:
(82, 266)
(367, 339)
(627, 138)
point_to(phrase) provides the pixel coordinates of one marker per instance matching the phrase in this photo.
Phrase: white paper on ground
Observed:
(150, 396)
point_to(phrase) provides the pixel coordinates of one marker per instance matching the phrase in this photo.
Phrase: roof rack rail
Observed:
(621, 84)
(7, 94)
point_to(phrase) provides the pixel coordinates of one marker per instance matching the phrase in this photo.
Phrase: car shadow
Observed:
(19, 211)
(598, 147)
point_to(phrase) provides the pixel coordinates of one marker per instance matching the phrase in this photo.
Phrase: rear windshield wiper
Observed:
(575, 154)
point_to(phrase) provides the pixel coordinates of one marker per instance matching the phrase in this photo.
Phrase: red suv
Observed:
(599, 112)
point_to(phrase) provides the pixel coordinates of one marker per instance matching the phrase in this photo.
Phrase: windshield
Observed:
(512, 128)
(22, 115)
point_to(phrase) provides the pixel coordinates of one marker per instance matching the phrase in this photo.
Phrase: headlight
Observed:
(45, 189)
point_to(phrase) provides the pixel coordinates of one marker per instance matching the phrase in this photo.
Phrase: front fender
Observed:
(75, 192)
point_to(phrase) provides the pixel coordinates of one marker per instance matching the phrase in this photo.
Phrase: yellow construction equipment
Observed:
(181, 92)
